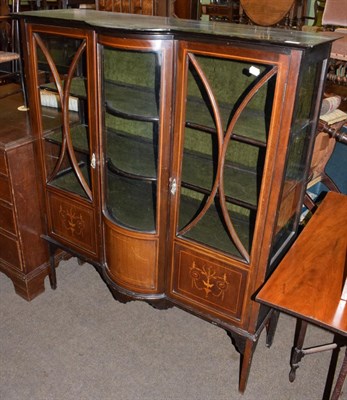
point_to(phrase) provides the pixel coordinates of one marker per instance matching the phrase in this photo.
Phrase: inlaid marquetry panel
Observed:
(215, 286)
(73, 222)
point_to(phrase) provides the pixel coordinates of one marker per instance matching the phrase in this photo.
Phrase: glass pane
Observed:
(222, 169)
(131, 98)
(130, 202)
(298, 147)
(62, 79)
(211, 229)
(230, 82)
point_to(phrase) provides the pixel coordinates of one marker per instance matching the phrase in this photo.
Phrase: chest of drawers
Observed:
(23, 254)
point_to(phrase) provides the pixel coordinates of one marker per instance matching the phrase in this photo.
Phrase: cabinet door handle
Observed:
(93, 161)
(173, 186)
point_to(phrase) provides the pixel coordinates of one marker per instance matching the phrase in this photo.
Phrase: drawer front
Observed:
(10, 252)
(209, 284)
(3, 167)
(7, 219)
(5, 191)
(73, 223)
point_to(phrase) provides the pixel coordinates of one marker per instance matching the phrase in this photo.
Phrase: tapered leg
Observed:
(52, 272)
(332, 368)
(246, 361)
(271, 327)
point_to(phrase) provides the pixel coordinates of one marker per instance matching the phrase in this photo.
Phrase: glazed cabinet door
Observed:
(228, 122)
(136, 101)
(62, 68)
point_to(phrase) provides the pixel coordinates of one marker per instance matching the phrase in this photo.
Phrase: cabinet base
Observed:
(123, 295)
(28, 286)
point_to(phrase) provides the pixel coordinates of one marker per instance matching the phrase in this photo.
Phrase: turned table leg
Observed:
(341, 379)
(297, 353)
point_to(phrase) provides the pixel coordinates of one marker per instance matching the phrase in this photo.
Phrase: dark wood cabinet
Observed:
(175, 154)
(24, 255)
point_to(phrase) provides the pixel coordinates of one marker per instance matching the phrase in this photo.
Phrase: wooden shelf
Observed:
(122, 100)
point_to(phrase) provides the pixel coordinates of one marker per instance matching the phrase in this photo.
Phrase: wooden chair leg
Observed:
(329, 183)
(309, 203)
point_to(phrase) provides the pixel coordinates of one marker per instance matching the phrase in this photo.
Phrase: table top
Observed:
(308, 282)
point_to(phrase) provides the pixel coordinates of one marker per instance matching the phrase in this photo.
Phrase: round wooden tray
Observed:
(265, 12)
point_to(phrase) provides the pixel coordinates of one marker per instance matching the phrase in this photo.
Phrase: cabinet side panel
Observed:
(27, 206)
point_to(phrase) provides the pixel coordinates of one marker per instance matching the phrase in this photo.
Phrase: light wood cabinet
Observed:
(176, 154)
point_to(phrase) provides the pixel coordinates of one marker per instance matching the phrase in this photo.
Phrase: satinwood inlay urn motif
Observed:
(72, 221)
(207, 280)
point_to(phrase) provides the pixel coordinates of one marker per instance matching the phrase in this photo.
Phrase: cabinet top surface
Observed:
(163, 25)
(15, 129)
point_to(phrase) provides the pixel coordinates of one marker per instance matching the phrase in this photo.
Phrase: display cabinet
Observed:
(193, 140)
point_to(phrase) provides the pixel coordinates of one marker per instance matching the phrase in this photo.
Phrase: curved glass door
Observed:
(131, 103)
(228, 113)
(62, 76)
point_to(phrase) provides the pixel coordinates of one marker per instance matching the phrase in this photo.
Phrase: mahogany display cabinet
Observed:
(174, 154)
